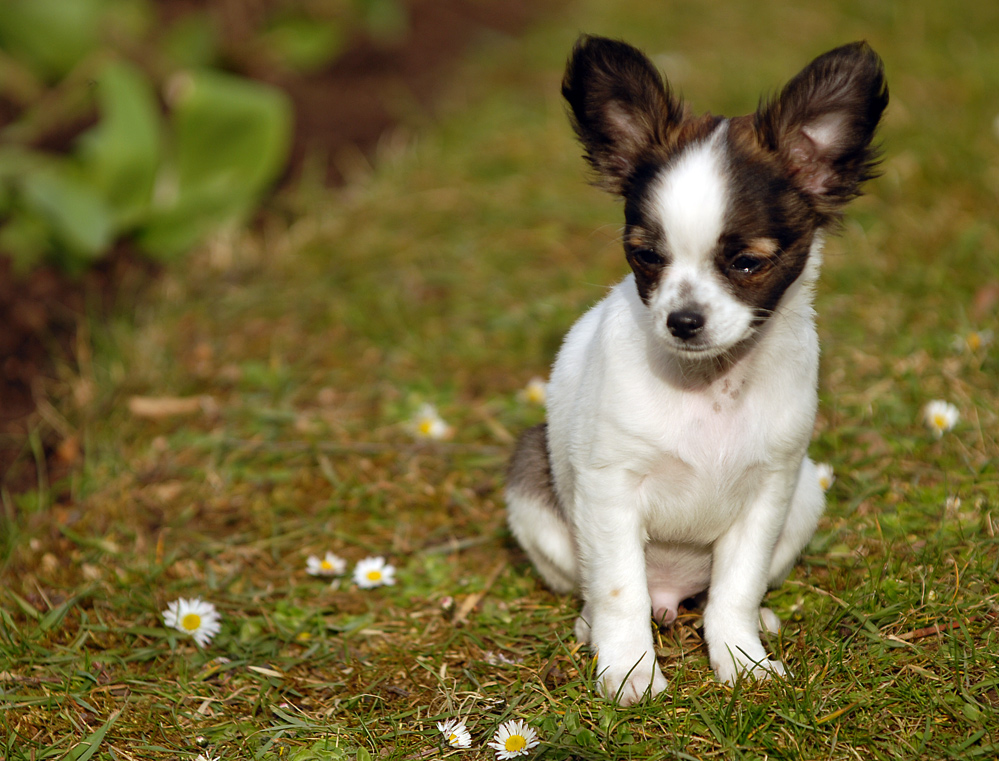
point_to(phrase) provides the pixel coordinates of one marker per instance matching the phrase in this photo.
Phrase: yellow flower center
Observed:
(374, 575)
(326, 565)
(974, 341)
(426, 426)
(939, 421)
(191, 622)
(452, 738)
(515, 743)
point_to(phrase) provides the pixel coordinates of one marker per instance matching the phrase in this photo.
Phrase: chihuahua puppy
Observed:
(680, 407)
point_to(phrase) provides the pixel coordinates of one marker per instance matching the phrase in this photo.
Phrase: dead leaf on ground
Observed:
(157, 407)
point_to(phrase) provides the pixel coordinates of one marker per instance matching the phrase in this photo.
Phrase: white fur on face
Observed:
(690, 201)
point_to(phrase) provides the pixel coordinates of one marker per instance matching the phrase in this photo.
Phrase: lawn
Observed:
(256, 407)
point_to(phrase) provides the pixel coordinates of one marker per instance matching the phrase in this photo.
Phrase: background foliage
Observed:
(128, 121)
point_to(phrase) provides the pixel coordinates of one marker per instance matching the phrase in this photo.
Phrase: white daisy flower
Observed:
(513, 738)
(328, 565)
(196, 617)
(428, 424)
(455, 733)
(535, 392)
(940, 416)
(973, 341)
(825, 473)
(373, 572)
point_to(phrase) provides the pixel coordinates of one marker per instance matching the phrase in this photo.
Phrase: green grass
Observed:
(448, 275)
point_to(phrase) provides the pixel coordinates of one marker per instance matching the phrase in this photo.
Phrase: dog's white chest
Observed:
(704, 459)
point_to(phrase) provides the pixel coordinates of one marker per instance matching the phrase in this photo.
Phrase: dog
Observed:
(680, 408)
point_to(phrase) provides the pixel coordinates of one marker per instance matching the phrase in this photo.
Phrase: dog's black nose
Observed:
(685, 323)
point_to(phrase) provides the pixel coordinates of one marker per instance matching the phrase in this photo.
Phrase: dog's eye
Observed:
(647, 257)
(746, 264)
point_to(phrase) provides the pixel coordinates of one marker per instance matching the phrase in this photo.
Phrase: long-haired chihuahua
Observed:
(680, 408)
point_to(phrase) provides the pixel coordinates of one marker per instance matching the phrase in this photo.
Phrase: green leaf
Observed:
(24, 237)
(305, 44)
(79, 218)
(231, 133)
(585, 738)
(191, 41)
(231, 138)
(51, 35)
(122, 153)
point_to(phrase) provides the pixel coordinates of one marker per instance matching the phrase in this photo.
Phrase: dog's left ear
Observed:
(622, 109)
(822, 124)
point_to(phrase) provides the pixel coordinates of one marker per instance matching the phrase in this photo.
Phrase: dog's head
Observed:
(721, 214)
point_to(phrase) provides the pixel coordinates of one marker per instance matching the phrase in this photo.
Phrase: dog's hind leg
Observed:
(535, 515)
(803, 516)
(807, 504)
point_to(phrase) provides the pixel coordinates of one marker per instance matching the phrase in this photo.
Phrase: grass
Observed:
(448, 275)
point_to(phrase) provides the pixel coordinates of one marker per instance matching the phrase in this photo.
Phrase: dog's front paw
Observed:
(627, 681)
(733, 662)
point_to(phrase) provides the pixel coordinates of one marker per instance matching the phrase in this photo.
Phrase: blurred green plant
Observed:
(163, 178)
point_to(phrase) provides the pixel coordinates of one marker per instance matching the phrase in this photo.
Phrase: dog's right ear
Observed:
(622, 109)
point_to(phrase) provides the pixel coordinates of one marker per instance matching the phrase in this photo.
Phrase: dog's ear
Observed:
(622, 109)
(822, 124)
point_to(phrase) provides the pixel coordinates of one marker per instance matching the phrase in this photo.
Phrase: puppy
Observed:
(680, 407)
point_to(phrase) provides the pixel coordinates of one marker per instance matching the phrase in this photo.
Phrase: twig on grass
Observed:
(457, 545)
(929, 631)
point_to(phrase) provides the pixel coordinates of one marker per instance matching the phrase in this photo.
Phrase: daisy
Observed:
(973, 341)
(513, 738)
(825, 473)
(373, 572)
(535, 391)
(455, 733)
(428, 424)
(195, 617)
(940, 416)
(330, 565)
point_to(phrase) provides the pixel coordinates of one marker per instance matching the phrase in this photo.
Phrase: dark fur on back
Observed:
(530, 469)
